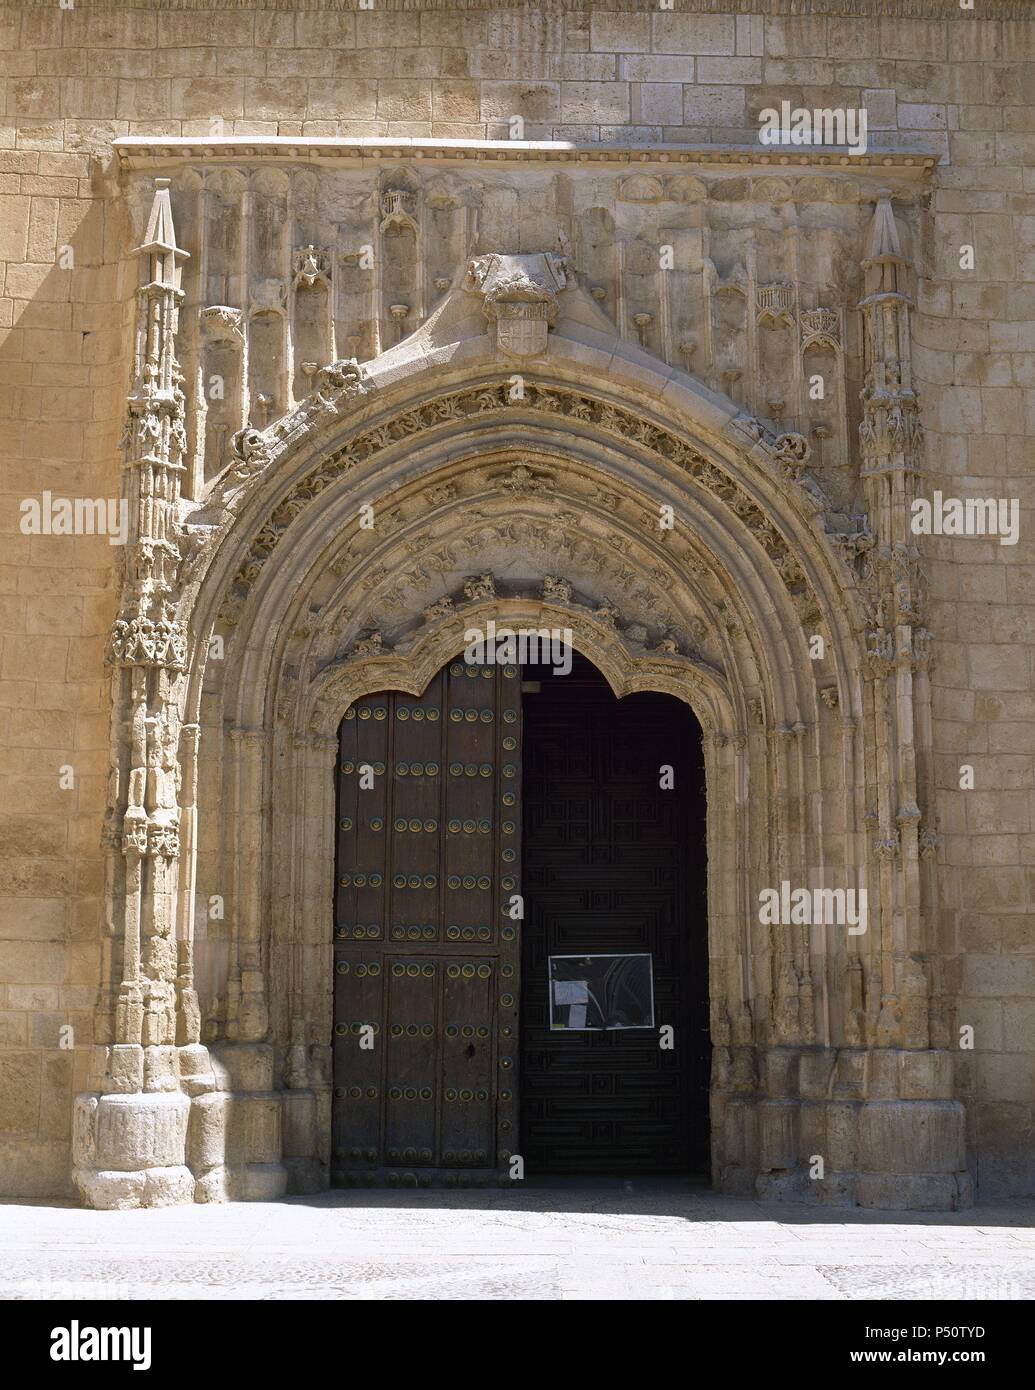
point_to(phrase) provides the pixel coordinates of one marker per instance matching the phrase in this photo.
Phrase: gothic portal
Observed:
(385, 396)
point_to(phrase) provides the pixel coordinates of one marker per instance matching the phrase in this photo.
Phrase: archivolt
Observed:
(544, 512)
(462, 476)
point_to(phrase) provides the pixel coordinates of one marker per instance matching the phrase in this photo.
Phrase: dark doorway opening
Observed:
(613, 866)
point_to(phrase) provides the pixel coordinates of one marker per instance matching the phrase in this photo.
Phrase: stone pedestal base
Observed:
(130, 1150)
(847, 1128)
(207, 1129)
(837, 1128)
(239, 1128)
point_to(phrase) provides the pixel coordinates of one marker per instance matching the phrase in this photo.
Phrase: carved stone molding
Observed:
(221, 323)
(158, 640)
(478, 401)
(370, 665)
(820, 326)
(311, 267)
(774, 305)
(398, 210)
(252, 450)
(793, 452)
(556, 590)
(139, 151)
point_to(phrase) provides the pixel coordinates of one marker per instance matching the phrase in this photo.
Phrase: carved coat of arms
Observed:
(520, 297)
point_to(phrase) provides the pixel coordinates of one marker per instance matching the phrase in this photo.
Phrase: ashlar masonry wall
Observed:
(931, 78)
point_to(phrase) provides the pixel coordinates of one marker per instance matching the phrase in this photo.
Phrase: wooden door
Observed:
(425, 950)
(613, 864)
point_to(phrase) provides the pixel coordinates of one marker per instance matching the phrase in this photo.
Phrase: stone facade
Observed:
(281, 231)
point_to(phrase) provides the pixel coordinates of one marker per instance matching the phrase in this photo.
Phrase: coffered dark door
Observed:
(613, 866)
(432, 954)
(425, 947)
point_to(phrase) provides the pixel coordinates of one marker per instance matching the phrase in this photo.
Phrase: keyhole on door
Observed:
(470, 1049)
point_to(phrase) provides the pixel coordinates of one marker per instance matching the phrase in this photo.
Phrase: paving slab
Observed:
(602, 1240)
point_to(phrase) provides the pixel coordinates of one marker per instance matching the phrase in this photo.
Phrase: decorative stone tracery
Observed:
(540, 508)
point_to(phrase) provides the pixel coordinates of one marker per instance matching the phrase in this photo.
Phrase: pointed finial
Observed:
(883, 242)
(160, 239)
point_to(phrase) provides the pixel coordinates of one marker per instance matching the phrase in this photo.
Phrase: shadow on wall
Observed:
(64, 367)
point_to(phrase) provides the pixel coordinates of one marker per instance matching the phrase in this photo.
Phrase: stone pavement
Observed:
(652, 1239)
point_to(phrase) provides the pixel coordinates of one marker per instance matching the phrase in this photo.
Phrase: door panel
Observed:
(427, 860)
(613, 864)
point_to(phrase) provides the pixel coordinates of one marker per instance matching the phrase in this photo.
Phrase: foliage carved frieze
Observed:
(577, 406)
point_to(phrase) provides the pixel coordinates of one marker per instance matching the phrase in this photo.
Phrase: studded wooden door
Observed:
(613, 864)
(425, 951)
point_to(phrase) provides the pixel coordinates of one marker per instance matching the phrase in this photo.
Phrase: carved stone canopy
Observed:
(222, 323)
(519, 296)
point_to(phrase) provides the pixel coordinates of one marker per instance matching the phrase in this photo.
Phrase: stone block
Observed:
(455, 100)
(161, 1069)
(34, 1169)
(660, 102)
(835, 1190)
(14, 228)
(305, 1175)
(815, 1074)
(195, 1069)
(534, 101)
(733, 70)
(620, 33)
(1007, 1076)
(14, 1029)
(781, 1072)
(404, 100)
(714, 106)
(842, 1137)
(909, 1192)
(796, 38)
(299, 1112)
(19, 1093)
(777, 1135)
(678, 33)
(750, 31)
(122, 1191)
(793, 1187)
(911, 1137)
(655, 67)
(56, 1096)
(925, 1075)
(257, 1182)
(850, 1075)
(598, 102)
(243, 1066)
(739, 1129)
(812, 1136)
(206, 1133)
(253, 1129)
